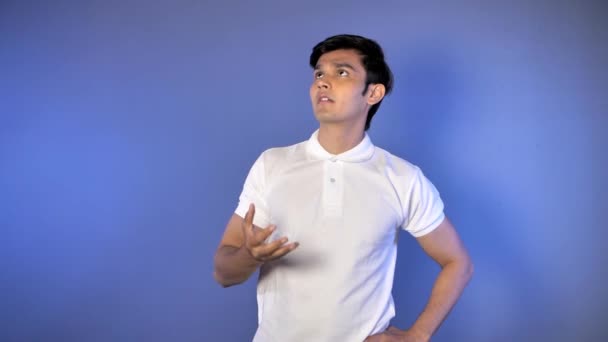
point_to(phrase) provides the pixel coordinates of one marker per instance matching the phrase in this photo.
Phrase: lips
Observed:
(323, 98)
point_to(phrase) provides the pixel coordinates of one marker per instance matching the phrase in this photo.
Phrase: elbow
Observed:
(226, 274)
(218, 275)
(221, 280)
(463, 267)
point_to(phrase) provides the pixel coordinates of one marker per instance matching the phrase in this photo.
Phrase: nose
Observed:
(322, 83)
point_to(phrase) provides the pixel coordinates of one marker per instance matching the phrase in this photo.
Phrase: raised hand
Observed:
(255, 240)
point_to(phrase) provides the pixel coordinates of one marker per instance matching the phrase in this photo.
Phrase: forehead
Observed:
(351, 57)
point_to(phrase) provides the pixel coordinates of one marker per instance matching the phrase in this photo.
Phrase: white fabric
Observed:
(345, 211)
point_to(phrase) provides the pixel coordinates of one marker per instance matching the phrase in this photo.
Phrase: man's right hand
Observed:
(255, 240)
(244, 248)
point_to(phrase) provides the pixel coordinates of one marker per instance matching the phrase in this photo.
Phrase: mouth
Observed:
(322, 98)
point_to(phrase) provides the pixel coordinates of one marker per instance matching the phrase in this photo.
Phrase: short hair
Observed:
(372, 58)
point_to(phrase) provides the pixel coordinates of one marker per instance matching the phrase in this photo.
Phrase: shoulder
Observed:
(395, 166)
(284, 153)
(276, 158)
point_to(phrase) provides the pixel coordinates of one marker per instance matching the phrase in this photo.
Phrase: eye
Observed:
(343, 73)
(318, 74)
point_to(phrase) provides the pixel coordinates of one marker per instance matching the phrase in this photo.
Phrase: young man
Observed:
(320, 218)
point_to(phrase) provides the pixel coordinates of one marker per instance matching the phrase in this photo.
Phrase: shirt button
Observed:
(333, 180)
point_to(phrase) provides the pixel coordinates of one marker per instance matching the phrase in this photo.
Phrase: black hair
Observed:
(372, 58)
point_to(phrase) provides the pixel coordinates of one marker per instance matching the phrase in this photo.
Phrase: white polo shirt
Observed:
(345, 211)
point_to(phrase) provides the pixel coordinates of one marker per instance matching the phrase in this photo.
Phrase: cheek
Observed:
(354, 97)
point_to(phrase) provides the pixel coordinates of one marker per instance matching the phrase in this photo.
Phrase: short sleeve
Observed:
(424, 207)
(254, 192)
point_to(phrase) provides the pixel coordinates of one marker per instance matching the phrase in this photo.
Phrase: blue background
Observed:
(127, 129)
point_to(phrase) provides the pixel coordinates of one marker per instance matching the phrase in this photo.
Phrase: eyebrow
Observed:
(338, 65)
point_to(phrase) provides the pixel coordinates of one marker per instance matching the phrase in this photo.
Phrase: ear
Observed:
(375, 93)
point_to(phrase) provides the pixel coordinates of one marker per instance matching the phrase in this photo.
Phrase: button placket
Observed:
(332, 196)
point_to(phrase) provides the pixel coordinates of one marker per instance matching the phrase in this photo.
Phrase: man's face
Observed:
(337, 88)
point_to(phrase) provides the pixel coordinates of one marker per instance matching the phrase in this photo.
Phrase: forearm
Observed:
(233, 265)
(447, 289)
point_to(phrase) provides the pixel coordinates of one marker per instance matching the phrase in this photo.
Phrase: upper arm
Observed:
(253, 190)
(444, 245)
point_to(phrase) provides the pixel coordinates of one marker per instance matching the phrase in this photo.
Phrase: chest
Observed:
(326, 203)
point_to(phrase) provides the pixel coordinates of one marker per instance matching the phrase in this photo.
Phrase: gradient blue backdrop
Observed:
(128, 128)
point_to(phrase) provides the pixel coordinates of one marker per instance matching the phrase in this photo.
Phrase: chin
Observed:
(325, 114)
(327, 118)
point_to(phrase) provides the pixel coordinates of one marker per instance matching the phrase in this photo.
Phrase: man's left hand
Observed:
(393, 334)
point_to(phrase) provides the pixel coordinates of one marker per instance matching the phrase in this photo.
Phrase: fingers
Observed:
(251, 237)
(269, 248)
(257, 236)
(255, 240)
(260, 235)
(278, 248)
(248, 221)
(283, 250)
(273, 250)
(390, 334)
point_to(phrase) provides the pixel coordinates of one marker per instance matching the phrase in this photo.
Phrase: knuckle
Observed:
(259, 252)
(255, 253)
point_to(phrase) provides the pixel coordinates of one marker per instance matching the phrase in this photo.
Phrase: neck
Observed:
(337, 139)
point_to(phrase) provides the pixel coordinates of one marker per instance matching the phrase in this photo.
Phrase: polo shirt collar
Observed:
(362, 152)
